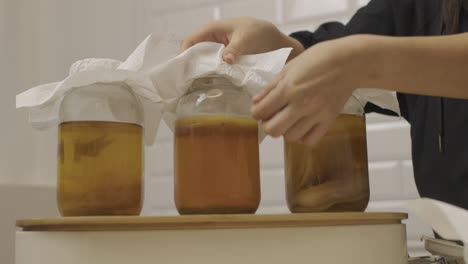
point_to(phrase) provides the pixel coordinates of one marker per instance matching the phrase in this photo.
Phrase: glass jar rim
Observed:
(211, 81)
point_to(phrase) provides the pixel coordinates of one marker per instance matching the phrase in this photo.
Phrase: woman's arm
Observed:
(436, 66)
(303, 101)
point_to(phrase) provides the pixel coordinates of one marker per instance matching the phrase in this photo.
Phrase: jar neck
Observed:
(112, 102)
(214, 95)
(210, 82)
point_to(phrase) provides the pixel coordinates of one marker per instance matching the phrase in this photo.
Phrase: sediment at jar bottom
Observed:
(331, 176)
(216, 165)
(358, 205)
(100, 168)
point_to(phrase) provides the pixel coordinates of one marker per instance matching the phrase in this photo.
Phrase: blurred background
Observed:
(39, 39)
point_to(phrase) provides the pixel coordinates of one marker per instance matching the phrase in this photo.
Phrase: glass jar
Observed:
(331, 176)
(100, 155)
(216, 153)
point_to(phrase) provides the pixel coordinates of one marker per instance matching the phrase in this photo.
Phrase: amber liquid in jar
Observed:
(216, 165)
(333, 175)
(100, 168)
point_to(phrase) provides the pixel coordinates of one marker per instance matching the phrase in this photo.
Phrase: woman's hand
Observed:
(307, 96)
(243, 36)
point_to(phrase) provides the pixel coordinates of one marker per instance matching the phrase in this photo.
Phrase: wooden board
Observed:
(127, 223)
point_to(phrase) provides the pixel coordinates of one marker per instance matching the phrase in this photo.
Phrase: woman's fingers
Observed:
(297, 131)
(271, 102)
(313, 136)
(197, 37)
(213, 32)
(220, 33)
(236, 47)
(281, 122)
(258, 97)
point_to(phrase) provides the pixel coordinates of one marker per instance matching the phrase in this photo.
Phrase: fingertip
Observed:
(254, 113)
(266, 90)
(309, 138)
(257, 111)
(274, 133)
(269, 129)
(258, 97)
(314, 135)
(309, 141)
(291, 136)
(229, 58)
(252, 110)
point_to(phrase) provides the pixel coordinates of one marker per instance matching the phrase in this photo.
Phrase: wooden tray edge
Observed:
(189, 222)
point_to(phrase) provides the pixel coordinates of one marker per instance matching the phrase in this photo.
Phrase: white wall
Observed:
(2, 51)
(2, 40)
(15, 136)
(47, 36)
(44, 38)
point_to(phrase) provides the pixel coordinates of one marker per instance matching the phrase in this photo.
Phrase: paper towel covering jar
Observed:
(155, 76)
(100, 156)
(332, 175)
(216, 153)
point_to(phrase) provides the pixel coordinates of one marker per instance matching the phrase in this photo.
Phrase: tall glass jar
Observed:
(100, 153)
(216, 153)
(332, 175)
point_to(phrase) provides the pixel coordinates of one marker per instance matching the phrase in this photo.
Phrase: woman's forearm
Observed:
(436, 66)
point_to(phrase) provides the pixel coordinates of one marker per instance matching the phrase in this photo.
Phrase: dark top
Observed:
(439, 126)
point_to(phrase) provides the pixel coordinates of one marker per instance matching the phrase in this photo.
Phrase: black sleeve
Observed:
(375, 18)
(381, 17)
